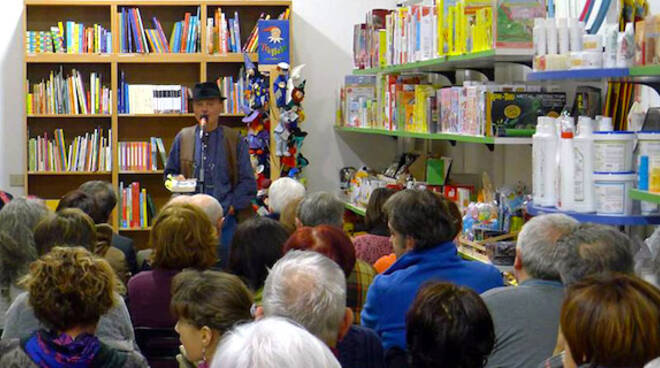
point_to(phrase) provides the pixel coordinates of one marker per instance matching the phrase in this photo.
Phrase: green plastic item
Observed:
(435, 171)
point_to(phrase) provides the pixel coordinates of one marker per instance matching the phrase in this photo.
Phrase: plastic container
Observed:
(584, 166)
(613, 151)
(538, 159)
(563, 36)
(604, 123)
(612, 192)
(592, 43)
(648, 145)
(551, 36)
(566, 200)
(550, 168)
(539, 36)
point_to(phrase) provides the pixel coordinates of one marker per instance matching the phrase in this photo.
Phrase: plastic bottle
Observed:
(576, 31)
(611, 33)
(605, 124)
(538, 160)
(626, 47)
(566, 200)
(562, 35)
(551, 36)
(550, 167)
(539, 34)
(583, 147)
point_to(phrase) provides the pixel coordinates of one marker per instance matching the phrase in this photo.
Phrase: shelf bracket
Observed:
(491, 147)
(453, 143)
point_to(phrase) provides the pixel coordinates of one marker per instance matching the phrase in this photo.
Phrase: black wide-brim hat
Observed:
(206, 91)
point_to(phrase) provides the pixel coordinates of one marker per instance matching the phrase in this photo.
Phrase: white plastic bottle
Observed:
(539, 36)
(566, 200)
(583, 147)
(538, 160)
(551, 36)
(550, 167)
(563, 36)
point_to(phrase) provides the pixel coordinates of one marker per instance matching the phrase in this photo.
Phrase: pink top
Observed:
(370, 248)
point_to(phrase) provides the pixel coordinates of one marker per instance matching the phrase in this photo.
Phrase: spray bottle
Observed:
(583, 147)
(566, 200)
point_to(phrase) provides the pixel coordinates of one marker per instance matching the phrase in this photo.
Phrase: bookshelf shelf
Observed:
(481, 59)
(69, 173)
(440, 136)
(643, 195)
(228, 58)
(583, 74)
(134, 229)
(358, 210)
(141, 172)
(597, 219)
(68, 116)
(175, 115)
(160, 58)
(69, 58)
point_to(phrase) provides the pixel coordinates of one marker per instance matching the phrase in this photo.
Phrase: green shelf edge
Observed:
(646, 70)
(642, 195)
(436, 136)
(436, 62)
(355, 209)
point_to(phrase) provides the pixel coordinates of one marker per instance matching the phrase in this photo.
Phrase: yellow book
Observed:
(29, 104)
(439, 11)
(52, 204)
(76, 37)
(143, 208)
(461, 26)
(382, 48)
(451, 30)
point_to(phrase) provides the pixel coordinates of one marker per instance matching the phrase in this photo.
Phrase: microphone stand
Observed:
(202, 140)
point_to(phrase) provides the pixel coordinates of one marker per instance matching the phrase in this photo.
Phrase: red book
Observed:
(124, 203)
(138, 30)
(136, 205)
(184, 36)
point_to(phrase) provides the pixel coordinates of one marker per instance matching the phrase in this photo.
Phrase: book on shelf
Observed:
(185, 35)
(152, 99)
(88, 153)
(68, 94)
(223, 34)
(234, 90)
(141, 156)
(136, 209)
(273, 41)
(71, 38)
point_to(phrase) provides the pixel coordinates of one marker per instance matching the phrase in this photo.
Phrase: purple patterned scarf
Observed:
(49, 350)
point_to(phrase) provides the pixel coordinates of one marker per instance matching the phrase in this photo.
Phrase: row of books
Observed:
(68, 94)
(223, 34)
(136, 208)
(414, 104)
(134, 37)
(448, 27)
(141, 156)
(152, 99)
(90, 152)
(234, 90)
(74, 39)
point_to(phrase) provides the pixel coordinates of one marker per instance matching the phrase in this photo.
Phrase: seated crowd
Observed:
(292, 289)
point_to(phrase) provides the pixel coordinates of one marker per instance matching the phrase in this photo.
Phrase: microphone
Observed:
(202, 124)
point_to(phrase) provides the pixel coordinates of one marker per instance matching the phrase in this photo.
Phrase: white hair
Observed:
(272, 343)
(282, 191)
(211, 207)
(309, 288)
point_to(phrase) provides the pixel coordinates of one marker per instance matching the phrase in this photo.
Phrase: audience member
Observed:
(88, 204)
(320, 208)
(281, 192)
(449, 326)
(69, 227)
(289, 215)
(376, 243)
(272, 343)
(106, 200)
(213, 210)
(70, 289)
(310, 289)
(422, 234)
(336, 245)
(17, 249)
(526, 317)
(593, 249)
(206, 304)
(5, 197)
(182, 237)
(256, 246)
(611, 320)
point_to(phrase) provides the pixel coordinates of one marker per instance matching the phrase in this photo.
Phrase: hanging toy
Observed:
(294, 77)
(297, 95)
(279, 86)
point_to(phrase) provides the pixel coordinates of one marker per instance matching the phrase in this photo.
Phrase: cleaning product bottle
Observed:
(583, 148)
(550, 167)
(566, 200)
(538, 160)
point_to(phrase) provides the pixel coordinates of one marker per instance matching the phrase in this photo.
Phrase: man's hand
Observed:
(180, 177)
(231, 211)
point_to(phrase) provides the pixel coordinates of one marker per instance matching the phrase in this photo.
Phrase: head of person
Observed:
(455, 216)
(178, 199)
(5, 198)
(207, 102)
(272, 343)
(536, 248)
(207, 304)
(450, 324)
(418, 220)
(70, 289)
(211, 207)
(105, 196)
(308, 288)
(282, 191)
(182, 236)
(320, 208)
(375, 217)
(289, 215)
(327, 240)
(256, 246)
(70, 226)
(83, 201)
(17, 249)
(591, 249)
(611, 320)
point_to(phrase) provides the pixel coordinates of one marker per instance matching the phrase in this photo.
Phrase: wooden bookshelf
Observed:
(155, 68)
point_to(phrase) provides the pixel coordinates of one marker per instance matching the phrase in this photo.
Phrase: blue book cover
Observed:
(230, 34)
(81, 35)
(273, 41)
(129, 31)
(177, 37)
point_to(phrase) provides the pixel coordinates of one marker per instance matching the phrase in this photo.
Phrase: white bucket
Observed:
(612, 192)
(648, 144)
(613, 151)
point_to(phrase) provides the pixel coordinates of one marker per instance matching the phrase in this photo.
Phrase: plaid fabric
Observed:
(357, 285)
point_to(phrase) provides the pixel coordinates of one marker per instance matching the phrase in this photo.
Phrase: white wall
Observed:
(12, 128)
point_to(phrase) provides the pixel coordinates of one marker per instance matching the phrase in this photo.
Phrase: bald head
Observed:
(209, 205)
(179, 199)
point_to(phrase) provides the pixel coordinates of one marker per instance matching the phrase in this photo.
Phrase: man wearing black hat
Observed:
(227, 174)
